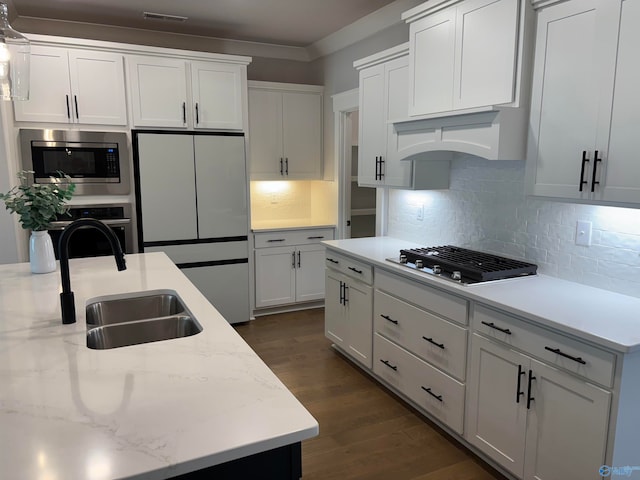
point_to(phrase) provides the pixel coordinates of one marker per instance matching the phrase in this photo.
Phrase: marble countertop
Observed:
(149, 411)
(608, 319)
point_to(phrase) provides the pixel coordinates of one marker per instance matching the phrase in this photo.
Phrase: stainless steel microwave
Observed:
(97, 162)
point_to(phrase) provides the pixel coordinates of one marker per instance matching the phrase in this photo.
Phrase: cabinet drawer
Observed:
(442, 343)
(292, 237)
(437, 301)
(305, 237)
(349, 266)
(428, 387)
(572, 355)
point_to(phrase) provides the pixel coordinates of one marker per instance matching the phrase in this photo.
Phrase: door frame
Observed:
(345, 103)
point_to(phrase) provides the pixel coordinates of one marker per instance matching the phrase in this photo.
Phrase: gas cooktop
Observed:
(462, 265)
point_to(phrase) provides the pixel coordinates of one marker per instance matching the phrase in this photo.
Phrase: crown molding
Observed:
(363, 28)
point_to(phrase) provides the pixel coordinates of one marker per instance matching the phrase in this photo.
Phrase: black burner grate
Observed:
(471, 264)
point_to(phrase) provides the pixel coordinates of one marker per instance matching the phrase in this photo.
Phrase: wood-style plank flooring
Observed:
(365, 431)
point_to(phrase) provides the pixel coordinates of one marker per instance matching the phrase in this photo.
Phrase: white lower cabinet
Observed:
(535, 420)
(430, 389)
(291, 273)
(349, 308)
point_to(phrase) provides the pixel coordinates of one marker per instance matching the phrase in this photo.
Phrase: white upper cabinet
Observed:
(158, 91)
(74, 86)
(174, 92)
(584, 113)
(464, 56)
(383, 99)
(217, 95)
(285, 131)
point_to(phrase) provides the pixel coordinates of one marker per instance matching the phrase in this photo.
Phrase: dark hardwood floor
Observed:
(365, 431)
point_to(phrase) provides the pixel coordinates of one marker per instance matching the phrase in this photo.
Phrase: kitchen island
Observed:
(154, 410)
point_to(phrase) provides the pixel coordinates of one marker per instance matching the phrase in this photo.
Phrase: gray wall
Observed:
(340, 76)
(8, 252)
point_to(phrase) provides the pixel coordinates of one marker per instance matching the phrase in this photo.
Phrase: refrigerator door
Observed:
(167, 191)
(221, 183)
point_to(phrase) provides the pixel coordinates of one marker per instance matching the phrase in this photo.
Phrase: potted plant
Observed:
(37, 204)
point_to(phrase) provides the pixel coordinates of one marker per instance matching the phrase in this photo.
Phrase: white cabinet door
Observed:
(566, 428)
(564, 105)
(158, 91)
(359, 308)
(620, 171)
(396, 173)
(275, 276)
(265, 134)
(222, 210)
(496, 422)
(310, 261)
(335, 325)
(432, 54)
(372, 126)
(97, 84)
(167, 187)
(302, 135)
(217, 95)
(285, 131)
(50, 94)
(486, 52)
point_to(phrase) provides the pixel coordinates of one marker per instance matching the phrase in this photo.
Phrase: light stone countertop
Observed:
(278, 225)
(148, 411)
(608, 319)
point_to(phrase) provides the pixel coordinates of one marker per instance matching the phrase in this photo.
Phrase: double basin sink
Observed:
(142, 317)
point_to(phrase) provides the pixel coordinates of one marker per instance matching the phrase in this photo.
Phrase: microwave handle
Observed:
(62, 224)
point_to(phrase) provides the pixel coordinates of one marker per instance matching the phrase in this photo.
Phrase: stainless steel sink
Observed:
(141, 317)
(142, 331)
(136, 306)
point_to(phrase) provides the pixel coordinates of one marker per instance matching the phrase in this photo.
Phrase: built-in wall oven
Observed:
(89, 242)
(97, 162)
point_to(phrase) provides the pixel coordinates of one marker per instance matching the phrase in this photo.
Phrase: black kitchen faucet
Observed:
(67, 302)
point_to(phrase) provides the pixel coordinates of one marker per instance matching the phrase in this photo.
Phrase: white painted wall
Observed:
(485, 208)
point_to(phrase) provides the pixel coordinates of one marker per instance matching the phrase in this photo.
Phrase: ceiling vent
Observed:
(163, 17)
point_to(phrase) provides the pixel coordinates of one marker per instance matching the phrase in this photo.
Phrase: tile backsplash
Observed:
(486, 209)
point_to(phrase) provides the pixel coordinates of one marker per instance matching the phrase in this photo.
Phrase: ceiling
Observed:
(297, 23)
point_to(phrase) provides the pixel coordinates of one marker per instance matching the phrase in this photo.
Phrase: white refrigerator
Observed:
(191, 201)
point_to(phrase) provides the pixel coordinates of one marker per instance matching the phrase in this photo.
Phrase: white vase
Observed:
(41, 255)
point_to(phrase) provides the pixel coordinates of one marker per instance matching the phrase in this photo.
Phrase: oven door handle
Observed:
(61, 225)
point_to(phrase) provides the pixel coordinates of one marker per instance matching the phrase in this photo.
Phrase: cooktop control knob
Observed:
(419, 263)
(403, 259)
(456, 275)
(437, 269)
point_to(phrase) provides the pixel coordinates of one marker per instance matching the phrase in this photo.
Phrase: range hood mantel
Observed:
(494, 133)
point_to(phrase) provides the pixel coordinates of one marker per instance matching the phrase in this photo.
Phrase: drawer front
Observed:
(282, 238)
(428, 387)
(273, 239)
(572, 355)
(442, 343)
(305, 237)
(349, 266)
(437, 301)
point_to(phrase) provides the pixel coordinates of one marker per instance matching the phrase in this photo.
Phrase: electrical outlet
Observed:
(583, 233)
(420, 213)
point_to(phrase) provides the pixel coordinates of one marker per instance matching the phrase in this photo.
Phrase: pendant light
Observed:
(14, 60)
